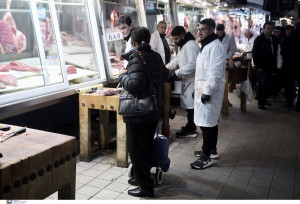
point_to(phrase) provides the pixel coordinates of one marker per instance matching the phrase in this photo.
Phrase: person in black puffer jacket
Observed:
(140, 130)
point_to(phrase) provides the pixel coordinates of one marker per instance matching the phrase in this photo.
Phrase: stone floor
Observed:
(259, 159)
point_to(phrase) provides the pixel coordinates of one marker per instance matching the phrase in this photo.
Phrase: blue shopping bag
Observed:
(160, 153)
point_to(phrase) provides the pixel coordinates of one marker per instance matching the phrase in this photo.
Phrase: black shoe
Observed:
(213, 154)
(138, 192)
(188, 127)
(261, 107)
(186, 134)
(202, 163)
(132, 182)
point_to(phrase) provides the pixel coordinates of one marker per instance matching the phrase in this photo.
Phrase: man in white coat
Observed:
(186, 59)
(209, 90)
(229, 43)
(159, 42)
(125, 25)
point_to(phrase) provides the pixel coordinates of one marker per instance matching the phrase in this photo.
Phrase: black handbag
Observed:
(142, 104)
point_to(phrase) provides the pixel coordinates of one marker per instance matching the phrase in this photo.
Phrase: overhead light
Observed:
(214, 10)
(225, 5)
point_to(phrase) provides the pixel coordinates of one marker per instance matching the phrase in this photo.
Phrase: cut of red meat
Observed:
(112, 54)
(7, 38)
(19, 66)
(2, 86)
(71, 69)
(117, 66)
(47, 33)
(3, 68)
(119, 58)
(8, 80)
(81, 43)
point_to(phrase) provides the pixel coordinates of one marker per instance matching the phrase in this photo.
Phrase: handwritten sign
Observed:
(113, 34)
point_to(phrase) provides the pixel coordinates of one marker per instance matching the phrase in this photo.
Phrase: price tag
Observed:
(113, 34)
(41, 12)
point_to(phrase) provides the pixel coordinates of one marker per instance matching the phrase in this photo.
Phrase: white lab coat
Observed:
(210, 80)
(230, 45)
(127, 49)
(186, 59)
(157, 45)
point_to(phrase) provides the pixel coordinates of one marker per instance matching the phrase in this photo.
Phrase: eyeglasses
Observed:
(201, 30)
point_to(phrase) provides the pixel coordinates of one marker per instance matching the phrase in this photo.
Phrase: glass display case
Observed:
(25, 68)
(80, 40)
(46, 47)
(114, 45)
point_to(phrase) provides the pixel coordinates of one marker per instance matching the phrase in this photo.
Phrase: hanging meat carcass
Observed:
(11, 39)
(113, 18)
(47, 33)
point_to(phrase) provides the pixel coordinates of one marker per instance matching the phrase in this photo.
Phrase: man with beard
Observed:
(159, 42)
(186, 59)
(209, 91)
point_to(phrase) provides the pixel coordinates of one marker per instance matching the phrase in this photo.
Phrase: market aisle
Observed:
(260, 159)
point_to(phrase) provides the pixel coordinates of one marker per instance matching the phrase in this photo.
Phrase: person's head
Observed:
(247, 33)
(161, 27)
(178, 34)
(220, 30)
(276, 32)
(267, 29)
(125, 25)
(140, 36)
(288, 30)
(297, 25)
(283, 23)
(206, 28)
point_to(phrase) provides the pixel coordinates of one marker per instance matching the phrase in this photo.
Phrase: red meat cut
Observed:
(2, 86)
(19, 66)
(3, 68)
(71, 69)
(8, 80)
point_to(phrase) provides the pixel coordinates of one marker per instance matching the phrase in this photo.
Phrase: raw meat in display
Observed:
(119, 58)
(2, 86)
(19, 66)
(3, 68)
(11, 39)
(113, 18)
(112, 54)
(118, 65)
(116, 59)
(81, 43)
(65, 37)
(109, 92)
(71, 69)
(8, 80)
(47, 33)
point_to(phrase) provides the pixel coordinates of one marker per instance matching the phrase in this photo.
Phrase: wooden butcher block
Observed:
(35, 164)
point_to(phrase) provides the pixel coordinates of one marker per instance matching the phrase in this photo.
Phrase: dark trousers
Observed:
(264, 80)
(190, 117)
(210, 137)
(140, 146)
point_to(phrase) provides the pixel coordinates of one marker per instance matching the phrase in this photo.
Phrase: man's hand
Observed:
(205, 98)
(172, 77)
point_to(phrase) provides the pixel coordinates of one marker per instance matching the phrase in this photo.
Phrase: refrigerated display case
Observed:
(47, 48)
(112, 40)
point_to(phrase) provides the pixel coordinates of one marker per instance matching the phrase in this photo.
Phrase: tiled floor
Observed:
(260, 159)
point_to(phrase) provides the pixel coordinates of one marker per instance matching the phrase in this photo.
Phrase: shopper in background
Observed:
(209, 91)
(290, 53)
(186, 59)
(228, 42)
(159, 42)
(264, 52)
(283, 29)
(140, 129)
(125, 25)
(289, 30)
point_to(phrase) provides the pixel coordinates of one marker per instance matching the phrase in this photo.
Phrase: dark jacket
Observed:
(135, 81)
(262, 53)
(291, 54)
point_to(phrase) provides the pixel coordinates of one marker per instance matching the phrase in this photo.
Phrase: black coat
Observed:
(291, 54)
(262, 53)
(135, 81)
